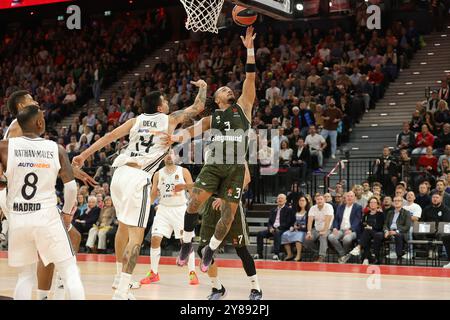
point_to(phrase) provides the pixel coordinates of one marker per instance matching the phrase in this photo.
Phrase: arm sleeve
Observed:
(70, 196)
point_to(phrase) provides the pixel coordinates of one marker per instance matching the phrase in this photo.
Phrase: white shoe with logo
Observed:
(356, 251)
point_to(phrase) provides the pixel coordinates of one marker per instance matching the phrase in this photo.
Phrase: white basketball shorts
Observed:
(169, 219)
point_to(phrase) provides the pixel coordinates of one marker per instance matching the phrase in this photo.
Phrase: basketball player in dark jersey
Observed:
(224, 166)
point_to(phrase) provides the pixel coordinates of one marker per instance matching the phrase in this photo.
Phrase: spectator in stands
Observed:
(432, 104)
(413, 208)
(332, 117)
(273, 89)
(285, 154)
(306, 119)
(346, 226)
(318, 116)
(438, 212)
(423, 140)
(293, 195)
(316, 144)
(444, 91)
(441, 118)
(428, 162)
(443, 138)
(386, 170)
(101, 227)
(416, 122)
(322, 215)
(396, 227)
(84, 221)
(376, 189)
(358, 192)
(297, 233)
(404, 165)
(372, 224)
(126, 115)
(281, 218)
(301, 159)
(376, 79)
(367, 194)
(440, 188)
(423, 198)
(406, 139)
(81, 202)
(387, 203)
(429, 121)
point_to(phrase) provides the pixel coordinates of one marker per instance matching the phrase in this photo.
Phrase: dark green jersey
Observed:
(229, 136)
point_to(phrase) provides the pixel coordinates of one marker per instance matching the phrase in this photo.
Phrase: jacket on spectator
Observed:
(409, 135)
(355, 218)
(429, 140)
(287, 218)
(423, 200)
(379, 221)
(442, 140)
(304, 156)
(436, 214)
(91, 217)
(403, 221)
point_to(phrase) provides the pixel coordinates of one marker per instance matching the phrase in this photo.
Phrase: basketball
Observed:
(244, 16)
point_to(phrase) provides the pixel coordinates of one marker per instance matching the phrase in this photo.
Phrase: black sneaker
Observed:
(255, 294)
(183, 257)
(217, 294)
(207, 257)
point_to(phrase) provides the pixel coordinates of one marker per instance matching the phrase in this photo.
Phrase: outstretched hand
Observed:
(199, 83)
(249, 37)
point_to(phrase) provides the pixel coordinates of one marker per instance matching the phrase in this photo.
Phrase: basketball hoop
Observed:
(202, 15)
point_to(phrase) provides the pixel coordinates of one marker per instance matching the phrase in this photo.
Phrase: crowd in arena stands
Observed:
(63, 69)
(359, 223)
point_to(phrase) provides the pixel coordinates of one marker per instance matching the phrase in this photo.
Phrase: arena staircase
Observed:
(146, 66)
(380, 126)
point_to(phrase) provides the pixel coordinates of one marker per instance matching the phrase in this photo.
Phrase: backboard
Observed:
(277, 9)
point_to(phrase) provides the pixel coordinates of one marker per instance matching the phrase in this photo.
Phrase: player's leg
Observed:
(120, 243)
(218, 291)
(197, 199)
(249, 266)
(155, 255)
(25, 282)
(70, 276)
(44, 279)
(135, 238)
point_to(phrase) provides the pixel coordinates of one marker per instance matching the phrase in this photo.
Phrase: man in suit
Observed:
(346, 226)
(301, 159)
(396, 226)
(83, 221)
(281, 219)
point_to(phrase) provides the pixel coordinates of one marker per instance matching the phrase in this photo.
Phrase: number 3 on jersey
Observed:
(30, 182)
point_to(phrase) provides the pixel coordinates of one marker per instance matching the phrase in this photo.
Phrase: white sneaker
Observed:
(115, 284)
(447, 266)
(275, 257)
(356, 251)
(123, 296)
(256, 256)
(333, 156)
(135, 285)
(391, 255)
(407, 256)
(365, 262)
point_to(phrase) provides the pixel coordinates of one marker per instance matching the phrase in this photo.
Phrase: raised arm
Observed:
(191, 132)
(181, 116)
(114, 135)
(248, 95)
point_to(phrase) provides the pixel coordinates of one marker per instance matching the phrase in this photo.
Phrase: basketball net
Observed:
(202, 15)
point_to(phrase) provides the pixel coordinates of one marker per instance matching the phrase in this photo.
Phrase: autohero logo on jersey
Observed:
(33, 165)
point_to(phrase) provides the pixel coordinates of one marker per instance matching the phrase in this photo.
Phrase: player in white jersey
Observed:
(32, 165)
(17, 102)
(169, 215)
(131, 183)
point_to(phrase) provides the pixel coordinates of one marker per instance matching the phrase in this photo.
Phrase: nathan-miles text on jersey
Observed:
(33, 167)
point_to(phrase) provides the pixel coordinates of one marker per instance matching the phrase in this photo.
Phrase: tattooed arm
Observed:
(181, 116)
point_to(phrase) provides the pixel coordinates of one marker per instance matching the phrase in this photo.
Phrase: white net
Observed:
(202, 15)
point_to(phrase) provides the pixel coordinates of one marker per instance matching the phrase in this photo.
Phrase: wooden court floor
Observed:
(279, 281)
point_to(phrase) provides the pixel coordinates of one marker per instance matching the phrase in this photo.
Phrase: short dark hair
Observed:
(25, 117)
(14, 99)
(152, 101)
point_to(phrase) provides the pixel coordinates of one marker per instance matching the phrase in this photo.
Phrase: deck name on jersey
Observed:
(26, 207)
(34, 154)
(151, 124)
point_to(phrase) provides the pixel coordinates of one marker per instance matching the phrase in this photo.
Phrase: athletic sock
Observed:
(214, 243)
(124, 283)
(155, 254)
(187, 236)
(118, 268)
(42, 294)
(215, 282)
(191, 262)
(254, 282)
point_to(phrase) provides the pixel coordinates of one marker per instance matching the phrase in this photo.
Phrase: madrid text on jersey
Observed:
(26, 207)
(34, 154)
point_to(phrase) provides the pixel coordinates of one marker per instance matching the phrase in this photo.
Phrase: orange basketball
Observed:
(244, 16)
